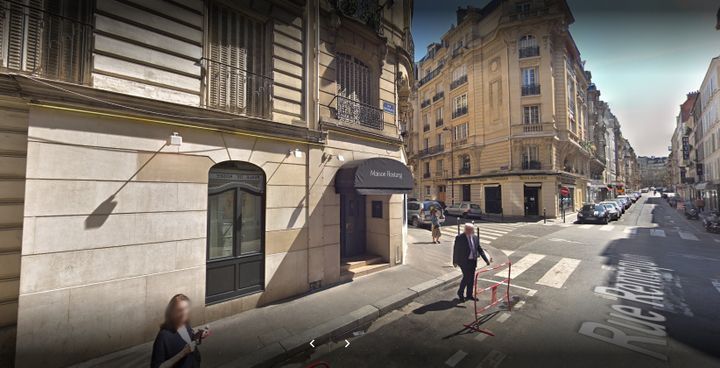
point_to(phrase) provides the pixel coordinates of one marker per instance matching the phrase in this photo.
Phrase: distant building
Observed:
(653, 171)
(707, 137)
(502, 112)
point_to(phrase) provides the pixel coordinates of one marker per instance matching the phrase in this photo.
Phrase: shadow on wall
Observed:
(99, 216)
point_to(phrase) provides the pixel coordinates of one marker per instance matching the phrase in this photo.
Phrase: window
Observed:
(464, 164)
(439, 139)
(523, 7)
(427, 190)
(50, 38)
(238, 70)
(439, 166)
(460, 106)
(356, 102)
(426, 143)
(426, 122)
(528, 47)
(426, 166)
(459, 72)
(377, 209)
(460, 132)
(531, 158)
(530, 84)
(529, 76)
(439, 115)
(531, 114)
(235, 230)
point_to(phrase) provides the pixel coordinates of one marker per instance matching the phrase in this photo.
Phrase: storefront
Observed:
(365, 188)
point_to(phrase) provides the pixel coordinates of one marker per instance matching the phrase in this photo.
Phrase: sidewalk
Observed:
(570, 217)
(270, 334)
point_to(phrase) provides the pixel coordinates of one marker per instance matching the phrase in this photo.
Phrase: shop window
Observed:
(235, 231)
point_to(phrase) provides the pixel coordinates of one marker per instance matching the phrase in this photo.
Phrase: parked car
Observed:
(613, 209)
(626, 201)
(464, 209)
(593, 213)
(620, 203)
(419, 212)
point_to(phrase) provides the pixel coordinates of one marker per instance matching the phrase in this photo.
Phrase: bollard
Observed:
(544, 216)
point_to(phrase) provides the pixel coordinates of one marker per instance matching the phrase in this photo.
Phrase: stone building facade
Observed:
(502, 118)
(189, 146)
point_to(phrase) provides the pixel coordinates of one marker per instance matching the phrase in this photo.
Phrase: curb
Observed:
(292, 345)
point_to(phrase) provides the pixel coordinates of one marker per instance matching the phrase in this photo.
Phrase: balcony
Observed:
(464, 171)
(425, 103)
(459, 112)
(237, 91)
(434, 73)
(530, 51)
(441, 174)
(531, 90)
(531, 165)
(439, 123)
(426, 127)
(431, 150)
(355, 112)
(539, 129)
(44, 44)
(438, 96)
(458, 82)
(426, 175)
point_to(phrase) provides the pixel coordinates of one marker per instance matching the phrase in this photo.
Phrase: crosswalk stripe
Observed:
(657, 232)
(559, 273)
(607, 228)
(486, 237)
(508, 252)
(522, 265)
(586, 226)
(489, 232)
(687, 236)
(456, 358)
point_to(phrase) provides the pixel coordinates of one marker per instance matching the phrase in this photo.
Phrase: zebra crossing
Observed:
(633, 231)
(557, 269)
(488, 231)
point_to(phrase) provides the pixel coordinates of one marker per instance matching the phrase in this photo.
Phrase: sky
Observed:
(644, 55)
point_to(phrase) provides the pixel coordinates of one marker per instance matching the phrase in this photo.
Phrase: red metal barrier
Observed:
(494, 300)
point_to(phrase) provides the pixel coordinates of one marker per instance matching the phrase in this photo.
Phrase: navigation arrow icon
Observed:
(311, 343)
(347, 343)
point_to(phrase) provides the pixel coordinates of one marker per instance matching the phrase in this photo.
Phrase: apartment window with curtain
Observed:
(529, 78)
(439, 117)
(528, 46)
(439, 139)
(460, 106)
(51, 38)
(464, 165)
(238, 60)
(531, 114)
(459, 77)
(531, 158)
(460, 132)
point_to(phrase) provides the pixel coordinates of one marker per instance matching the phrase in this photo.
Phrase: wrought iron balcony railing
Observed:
(458, 82)
(48, 45)
(529, 51)
(426, 175)
(432, 150)
(530, 89)
(434, 73)
(531, 165)
(237, 91)
(438, 96)
(424, 103)
(464, 171)
(439, 123)
(459, 112)
(426, 127)
(355, 112)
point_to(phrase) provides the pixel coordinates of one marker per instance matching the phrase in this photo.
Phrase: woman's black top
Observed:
(169, 343)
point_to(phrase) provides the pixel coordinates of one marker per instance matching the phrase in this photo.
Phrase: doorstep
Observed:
(352, 268)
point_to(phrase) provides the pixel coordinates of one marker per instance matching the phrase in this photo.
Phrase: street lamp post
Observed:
(452, 166)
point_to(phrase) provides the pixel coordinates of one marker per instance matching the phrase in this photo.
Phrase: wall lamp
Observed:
(297, 153)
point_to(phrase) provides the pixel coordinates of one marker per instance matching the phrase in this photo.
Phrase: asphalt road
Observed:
(641, 292)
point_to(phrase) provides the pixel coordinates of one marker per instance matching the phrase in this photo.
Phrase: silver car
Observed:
(613, 209)
(464, 209)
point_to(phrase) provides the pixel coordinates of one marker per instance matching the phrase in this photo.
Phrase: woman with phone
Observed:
(175, 344)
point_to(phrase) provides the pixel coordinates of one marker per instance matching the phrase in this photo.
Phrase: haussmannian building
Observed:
(239, 152)
(502, 113)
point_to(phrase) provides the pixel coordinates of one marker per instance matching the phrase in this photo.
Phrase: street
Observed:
(640, 292)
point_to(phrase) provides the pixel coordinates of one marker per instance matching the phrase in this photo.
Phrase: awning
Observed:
(374, 176)
(701, 186)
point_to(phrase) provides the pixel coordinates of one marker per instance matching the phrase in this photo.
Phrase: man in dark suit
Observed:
(465, 254)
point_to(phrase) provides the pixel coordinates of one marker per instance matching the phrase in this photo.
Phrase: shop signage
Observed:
(533, 177)
(386, 174)
(564, 191)
(686, 148)
(389, 107)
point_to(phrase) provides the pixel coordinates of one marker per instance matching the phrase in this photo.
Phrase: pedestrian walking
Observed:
(435, 225)
(176, 343)
(466, 251)
(700, 204)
